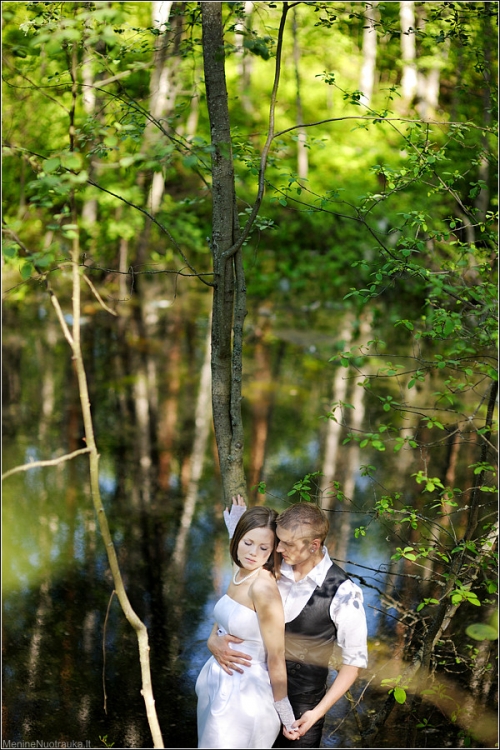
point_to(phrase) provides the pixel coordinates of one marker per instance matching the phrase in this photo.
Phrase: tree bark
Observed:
(229, 300)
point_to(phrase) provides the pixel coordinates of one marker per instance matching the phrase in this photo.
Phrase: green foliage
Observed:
(397, 690)
(304, 487)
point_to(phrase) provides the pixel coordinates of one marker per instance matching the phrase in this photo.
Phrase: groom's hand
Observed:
(228, 657)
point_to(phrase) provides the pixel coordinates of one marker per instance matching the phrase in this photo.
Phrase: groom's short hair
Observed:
(305, 516)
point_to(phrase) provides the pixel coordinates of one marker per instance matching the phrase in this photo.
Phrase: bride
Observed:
(246, 710)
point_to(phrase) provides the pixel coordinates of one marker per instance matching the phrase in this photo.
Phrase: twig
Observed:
(49, 462)
(98, 296)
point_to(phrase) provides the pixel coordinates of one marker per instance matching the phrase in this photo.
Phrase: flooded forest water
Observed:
(70, 660)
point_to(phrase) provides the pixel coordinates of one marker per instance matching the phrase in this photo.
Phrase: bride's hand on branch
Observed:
(233, 515)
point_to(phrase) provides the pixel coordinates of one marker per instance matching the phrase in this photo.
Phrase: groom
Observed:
(322, 605)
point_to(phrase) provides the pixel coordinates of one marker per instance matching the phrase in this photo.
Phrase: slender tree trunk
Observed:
(483, 199)
(202, 430)
(142, 636)
(341, 526)
(244, 60)
(368, 69)
(302, 155)
(260, 397)
(342, 521)
(408, 50)
(73, 338)
(335, 426)
(168, 413)
(229, 301)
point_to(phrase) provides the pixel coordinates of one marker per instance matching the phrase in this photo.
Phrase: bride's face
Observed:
(255, 547)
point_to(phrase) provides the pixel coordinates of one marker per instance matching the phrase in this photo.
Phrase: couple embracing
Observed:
(286, 606)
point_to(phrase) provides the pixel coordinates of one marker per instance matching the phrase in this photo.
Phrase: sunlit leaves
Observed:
(430, 483)
(463, 594)
(426, 603)
(398, 690)
(304, 487)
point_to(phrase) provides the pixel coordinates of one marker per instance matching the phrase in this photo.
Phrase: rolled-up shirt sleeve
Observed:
(348, 614)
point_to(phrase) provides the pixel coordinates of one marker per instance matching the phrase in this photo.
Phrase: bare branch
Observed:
(98, 296)
(49, 462)
(59, 312)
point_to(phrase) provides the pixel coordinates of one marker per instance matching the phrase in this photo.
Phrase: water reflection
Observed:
(57, 635)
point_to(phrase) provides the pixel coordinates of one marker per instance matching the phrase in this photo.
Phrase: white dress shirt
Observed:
(346, 610)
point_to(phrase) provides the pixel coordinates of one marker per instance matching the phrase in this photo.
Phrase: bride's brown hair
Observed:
(257, 518)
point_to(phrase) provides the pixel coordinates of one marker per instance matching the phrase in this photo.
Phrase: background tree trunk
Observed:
(368, 70)
(408, 52)
(302, 156)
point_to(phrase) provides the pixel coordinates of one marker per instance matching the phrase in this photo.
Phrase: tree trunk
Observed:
(408, 53)
(202, 430)
(229, 301)
(335, 426)
(367, 76)
(302, 156)
(245, 60)
(340, 529)
(261, 399)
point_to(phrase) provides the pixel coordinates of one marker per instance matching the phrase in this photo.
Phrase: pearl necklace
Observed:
(237, 583)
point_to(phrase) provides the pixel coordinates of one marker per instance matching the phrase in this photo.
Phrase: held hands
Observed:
(287, 718)
(233, 515)
(304, 724)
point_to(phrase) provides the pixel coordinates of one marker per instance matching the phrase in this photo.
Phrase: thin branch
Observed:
(59, 312)
(14, 236)
(267, 146)
(155, 221)
(377, 118)
(49, 462)
(34, 86)
(98, 296)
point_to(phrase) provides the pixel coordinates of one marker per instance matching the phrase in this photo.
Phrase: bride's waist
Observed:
(255, 650)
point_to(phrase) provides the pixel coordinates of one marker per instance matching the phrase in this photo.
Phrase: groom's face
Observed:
(293, 545)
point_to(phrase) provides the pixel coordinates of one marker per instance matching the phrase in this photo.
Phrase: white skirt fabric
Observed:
(237, 711)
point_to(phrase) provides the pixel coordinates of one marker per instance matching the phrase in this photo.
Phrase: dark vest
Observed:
(309, 639)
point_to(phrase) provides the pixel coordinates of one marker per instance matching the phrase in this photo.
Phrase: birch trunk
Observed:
(335, 426)
(408, 50)
(367, 76)
(302, 156)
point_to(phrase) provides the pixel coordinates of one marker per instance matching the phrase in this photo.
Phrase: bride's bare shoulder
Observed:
(265, 583)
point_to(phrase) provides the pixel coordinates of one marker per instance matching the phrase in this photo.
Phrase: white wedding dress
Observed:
(237, 711)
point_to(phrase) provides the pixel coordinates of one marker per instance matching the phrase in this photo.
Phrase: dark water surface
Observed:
(70, 659)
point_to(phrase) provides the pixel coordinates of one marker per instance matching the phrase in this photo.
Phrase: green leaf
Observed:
(50, 165)
(9, 250)
(71, 160)
(449, 327)
(111, 141)
(481, 632)
(399, 695)
(26, 270)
